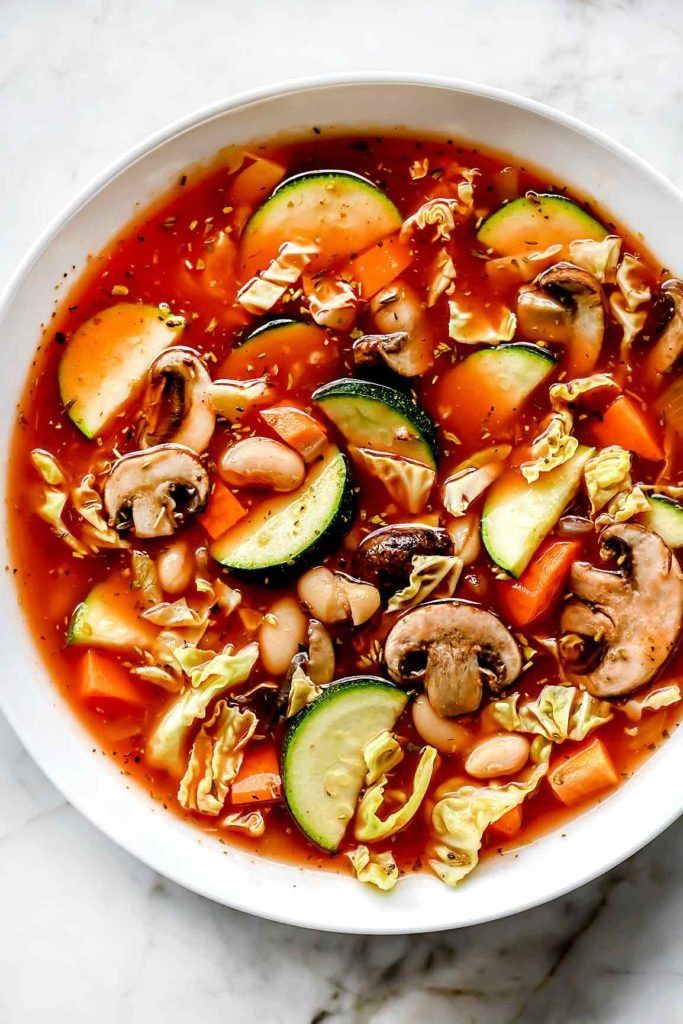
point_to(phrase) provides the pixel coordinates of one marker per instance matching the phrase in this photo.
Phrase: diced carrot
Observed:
(224, 511)
(250, 618)
(255, 182)
(509, 825)
(297, 429)
(258, 780)
(103, 682)
(540, 585)
(378, 266)
(625, 424)
(575, 777)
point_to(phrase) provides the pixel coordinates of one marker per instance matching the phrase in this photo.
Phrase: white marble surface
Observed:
(86, 933)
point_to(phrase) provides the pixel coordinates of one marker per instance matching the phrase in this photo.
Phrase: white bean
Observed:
(505, 754)
(320, 591)
(280, 634)
(262, 462)
(363, 598)
(175, 566)
(443, 733)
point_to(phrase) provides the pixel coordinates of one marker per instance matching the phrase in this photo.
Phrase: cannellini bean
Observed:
(505, 754)
(262, 462)
(175, 567)
(320, 591)
(447, 735)
(336, 597)
(364, 599)
(281, 633)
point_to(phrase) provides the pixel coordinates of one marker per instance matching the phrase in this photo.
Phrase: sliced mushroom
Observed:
(453, 648)
(155, 490)
(565, 305)
(385, 557)
(669, 345)
(620, 627)
(176, 404)
(405, 343)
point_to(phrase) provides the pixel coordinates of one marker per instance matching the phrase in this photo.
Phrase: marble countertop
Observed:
(87, 933)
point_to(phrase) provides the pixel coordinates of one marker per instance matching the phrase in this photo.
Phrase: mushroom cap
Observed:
(566, 305)
(669, 345)
(620, 627)
(176, 403)
(452, 647)
(385, 557)
(157, 488)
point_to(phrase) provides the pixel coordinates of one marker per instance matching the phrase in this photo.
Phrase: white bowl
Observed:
(592, 842)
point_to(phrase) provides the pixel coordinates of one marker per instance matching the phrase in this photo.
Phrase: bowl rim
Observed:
(100, 182)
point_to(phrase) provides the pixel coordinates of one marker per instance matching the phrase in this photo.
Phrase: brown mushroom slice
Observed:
(620, 627)
(565, 305)
(176, 404)
(385, 557)
(155, 490)
(453, 648)
(669, 345)
(405, 340)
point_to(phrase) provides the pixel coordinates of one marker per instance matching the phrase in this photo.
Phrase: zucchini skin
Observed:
(355, 387)
(339, 525)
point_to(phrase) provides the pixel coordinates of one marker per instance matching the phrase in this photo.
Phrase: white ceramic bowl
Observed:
(594, 841)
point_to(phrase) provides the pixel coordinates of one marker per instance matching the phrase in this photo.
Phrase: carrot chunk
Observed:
(258, 780)
(297, 429)
(540, 585)
(625, 424)
(378, 266)
(507, 826)
(103, 682)
(577, 776)
(224, 511)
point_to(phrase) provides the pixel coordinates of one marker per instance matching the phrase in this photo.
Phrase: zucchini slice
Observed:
(108, 618)
(283, 349)
(532, 223)
(342, 212)
(379, 417)
(322, 756)
(291, 531)
(106, 360)
(484, 392)
(518, 515)
(665, 518)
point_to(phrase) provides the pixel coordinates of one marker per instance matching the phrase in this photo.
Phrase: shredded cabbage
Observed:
(369, 827)
(559, 713)
(624, 506)
(564, 393)
(302, 691)
(261, 293)
(436, 213)
(379, 869)
(381, 754)
(333, 303)
(632, 283)
(443, 279)
(216, 758)
(251, 823)
(662, 697)
(210, 675)
(598, 258)
(552, 448)
(47, 466)
(460, 819)
(232, 399)
(175, 614)
(408, 482)
(428, 572)
(607, 473)
(145, 578)
(631, 323)
(462, 328)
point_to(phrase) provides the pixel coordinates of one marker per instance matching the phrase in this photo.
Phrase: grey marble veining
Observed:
(88, 934)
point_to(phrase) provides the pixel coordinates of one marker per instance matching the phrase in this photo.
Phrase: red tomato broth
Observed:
(156, 259)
